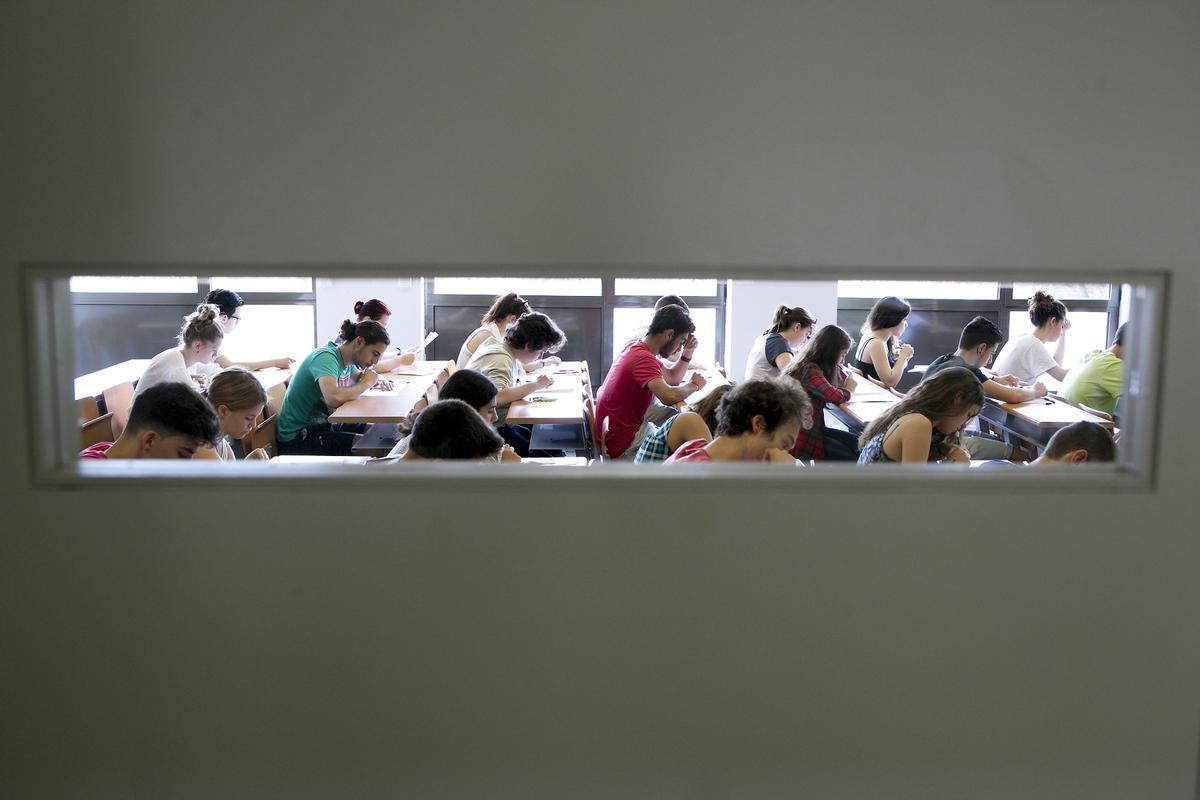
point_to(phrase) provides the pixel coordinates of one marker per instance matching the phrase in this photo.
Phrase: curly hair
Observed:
(535, 331)
(1043, 308)
(777, 402)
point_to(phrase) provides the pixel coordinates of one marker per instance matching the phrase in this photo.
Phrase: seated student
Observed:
(1026, 356)
(697, 422)
(1095, 381)
(476, 391)
(452, 430)
(327, 378)
(976, 345)
(1078, 443)
(880, 354)
(377, 311)
(170, 420)
(775, 347)
(820, 373)
(637, 376)
(919, 428)
(199, 342)
(502, 316)
(501, 361)
(230, 303)
(673, 370)
(237, 398)
(756, 421)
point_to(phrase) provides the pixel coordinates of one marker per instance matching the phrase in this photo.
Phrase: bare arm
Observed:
(474, 341)
(336, 396)
(877, 354)
(909, 443)
(508, 395)
(1013, 394)
(782, 360)
(669, 395)
(1059, 373)
(673, 373)
(402, 360)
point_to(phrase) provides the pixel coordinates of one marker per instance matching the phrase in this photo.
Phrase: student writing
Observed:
(756, 421)
(199, 342)
(920, 427)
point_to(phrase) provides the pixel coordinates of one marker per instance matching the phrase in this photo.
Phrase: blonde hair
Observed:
(202, 325)
(237, 389)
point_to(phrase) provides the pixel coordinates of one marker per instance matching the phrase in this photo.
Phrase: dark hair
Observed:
(236, 388)
(227, 300)
(980, 330)
(945, 393)
(370, 330)
(1097, 440)
(174, 409)
(201, 326)
(888, 312)
(1119, 338)
(371, 309)
(775, 401)
(472, 387)
(823, 352)
(671, 318)
(507, 305)
(787, 317)
(707, 408)
(535, 331)
(451, 429)
(1043, 308)
(671, 300)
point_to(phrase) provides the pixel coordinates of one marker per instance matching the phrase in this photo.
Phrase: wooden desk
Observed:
(866, 389)
(562, 403)
(94, 384)
(857, 415)
(1036, 421)
(272, 377)
(378, 405)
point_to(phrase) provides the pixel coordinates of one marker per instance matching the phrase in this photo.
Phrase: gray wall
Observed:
(160, 643)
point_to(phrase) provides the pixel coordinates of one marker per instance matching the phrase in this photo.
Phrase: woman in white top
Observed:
(774, 349)
(1026, 356)
(504, 313)
(238, 398)
(199, 342)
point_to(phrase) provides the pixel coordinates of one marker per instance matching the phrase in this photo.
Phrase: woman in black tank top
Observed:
(885, 324)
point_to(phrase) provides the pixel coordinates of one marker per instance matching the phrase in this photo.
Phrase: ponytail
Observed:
(370, 331)
(201, 325)
(506, 305)
(371, 309)
(787, 317)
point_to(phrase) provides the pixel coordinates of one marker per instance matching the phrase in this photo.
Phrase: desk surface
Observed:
(713, 381)
(272, 376)
(94, 384)
(284, 460)
(409, 385)
(561, 403)
(864, 412)
(1046, 413)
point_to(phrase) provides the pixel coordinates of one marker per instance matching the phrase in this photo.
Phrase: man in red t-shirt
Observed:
(638, 375)
(170, 420)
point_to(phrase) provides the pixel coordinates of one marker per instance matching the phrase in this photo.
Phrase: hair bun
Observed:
(358, 307)
(206, 312)
(1041, 299)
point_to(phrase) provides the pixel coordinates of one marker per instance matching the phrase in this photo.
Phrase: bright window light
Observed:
(145, 284)
(632, 322)
(659, 287)
(271, 332)
(251, 285)
(1089, 330)
(931, 290)
(1063, 291)
(527, 287)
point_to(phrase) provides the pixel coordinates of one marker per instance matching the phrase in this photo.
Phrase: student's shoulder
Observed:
(915, 423)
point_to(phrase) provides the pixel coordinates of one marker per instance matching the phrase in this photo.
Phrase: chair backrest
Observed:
(118, 400)
(89, 409)
(589, 413)
(96, 431)
(274, 400)
(262, 436)
(449, 369)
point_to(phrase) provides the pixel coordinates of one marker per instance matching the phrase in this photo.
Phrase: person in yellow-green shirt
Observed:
(1096, 381)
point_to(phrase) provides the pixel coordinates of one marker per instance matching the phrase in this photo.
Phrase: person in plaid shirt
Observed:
(819, 370)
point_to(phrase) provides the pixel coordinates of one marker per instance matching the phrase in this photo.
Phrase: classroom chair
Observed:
(96, 431)
(118, 400)
(89, 409)
(262, 436)
(274, 400)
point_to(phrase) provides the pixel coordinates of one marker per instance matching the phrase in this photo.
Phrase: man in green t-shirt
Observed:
(1095, 381)
(327, 378)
